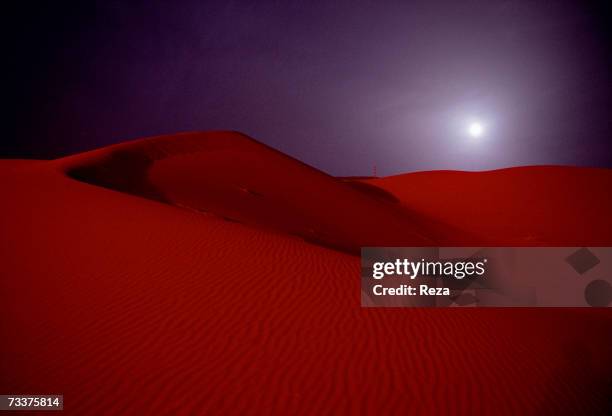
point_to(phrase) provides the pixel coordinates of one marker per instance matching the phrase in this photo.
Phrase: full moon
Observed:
(475, 129)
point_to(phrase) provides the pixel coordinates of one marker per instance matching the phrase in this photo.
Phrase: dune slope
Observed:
(232, 176)
(142, 298)
(549, 205)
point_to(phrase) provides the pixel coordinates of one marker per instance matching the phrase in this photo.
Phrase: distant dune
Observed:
(535, 205)
(208, 273)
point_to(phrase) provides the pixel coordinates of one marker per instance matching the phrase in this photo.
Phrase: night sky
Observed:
(339, 85)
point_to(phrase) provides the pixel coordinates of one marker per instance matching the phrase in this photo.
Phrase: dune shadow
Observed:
(122, 170)
(371, 190)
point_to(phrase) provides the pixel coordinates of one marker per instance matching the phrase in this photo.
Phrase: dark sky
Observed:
(339, 85)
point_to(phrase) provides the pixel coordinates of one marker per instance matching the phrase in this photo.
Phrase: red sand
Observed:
(131, 306)
(538, 205)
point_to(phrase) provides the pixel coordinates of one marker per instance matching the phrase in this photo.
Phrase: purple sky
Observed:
(339, 85)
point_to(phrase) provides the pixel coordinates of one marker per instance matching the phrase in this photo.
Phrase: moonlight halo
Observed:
(475, 129)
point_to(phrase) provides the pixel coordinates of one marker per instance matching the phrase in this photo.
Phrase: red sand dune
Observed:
(213, 275)
(538, 205)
